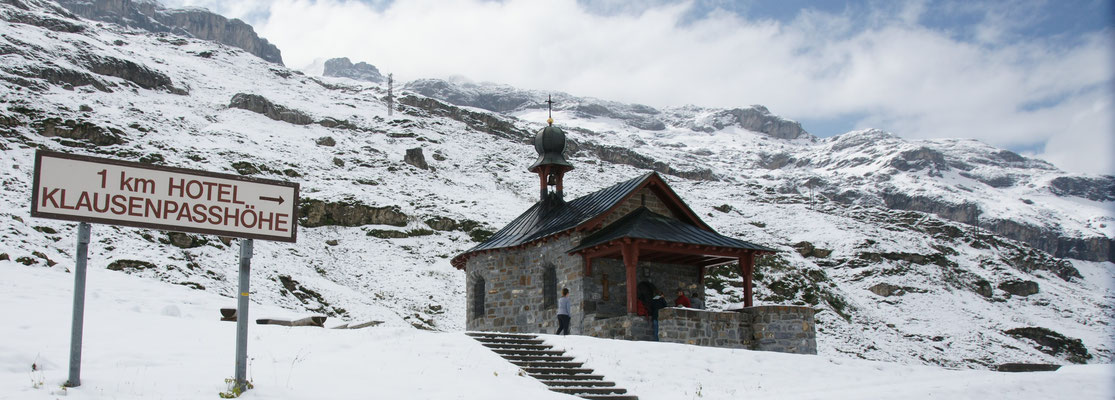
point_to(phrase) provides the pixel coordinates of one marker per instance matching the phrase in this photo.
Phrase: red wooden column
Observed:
(630, 260)
(747, 267)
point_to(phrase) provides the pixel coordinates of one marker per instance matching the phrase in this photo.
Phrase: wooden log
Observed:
(365, 325)
(228, 314)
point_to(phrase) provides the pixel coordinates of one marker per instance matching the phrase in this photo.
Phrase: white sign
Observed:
(99, 190)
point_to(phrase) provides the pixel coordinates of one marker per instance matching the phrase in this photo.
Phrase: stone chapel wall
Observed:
(514, 290)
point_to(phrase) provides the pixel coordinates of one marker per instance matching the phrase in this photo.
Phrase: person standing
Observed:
(696, 301)
(563, 313)
(657, 303)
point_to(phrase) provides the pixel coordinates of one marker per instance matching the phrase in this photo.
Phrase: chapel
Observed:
(606, 247)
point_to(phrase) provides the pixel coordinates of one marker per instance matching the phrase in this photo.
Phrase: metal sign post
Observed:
(79, 304)
(99, 190)
(242, 316)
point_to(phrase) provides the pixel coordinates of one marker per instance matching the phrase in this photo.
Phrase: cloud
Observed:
(885, 67)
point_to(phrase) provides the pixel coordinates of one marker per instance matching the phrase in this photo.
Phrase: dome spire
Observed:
(550, 109)
(551, 165)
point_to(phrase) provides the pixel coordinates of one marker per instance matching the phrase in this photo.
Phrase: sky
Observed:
(1036, 77)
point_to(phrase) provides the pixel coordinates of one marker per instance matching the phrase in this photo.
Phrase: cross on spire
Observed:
(550, 108)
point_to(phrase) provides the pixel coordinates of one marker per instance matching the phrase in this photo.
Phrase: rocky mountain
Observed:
(855, 168)
(513, 101)
(152, 16)
(361, 71)
(903, 246)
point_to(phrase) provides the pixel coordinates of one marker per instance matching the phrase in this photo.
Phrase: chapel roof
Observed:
(646, 224)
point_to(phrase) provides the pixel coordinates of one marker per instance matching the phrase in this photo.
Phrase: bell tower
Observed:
(551, 165)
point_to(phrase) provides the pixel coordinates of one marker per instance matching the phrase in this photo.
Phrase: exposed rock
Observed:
(53, 74)
(1094, 248)
(965, 213)
(886, 290)
(79, 130)
(920, 159)
(387, 234)
(479, 121)
(756, 118)
(259, 104)
(45, 22)
(442, 223)
(195, 22)
(130, 71)
(326, 141)
(1053, 343)
(305, 295)
(1019, 288)
(775, 161)
(1096, 189)
(414, 157)
(983, 288)
(626, 156)
(807, 249)
(130, 265)
(245, 168)
(314, 213)
(361, 71)
(185, 241)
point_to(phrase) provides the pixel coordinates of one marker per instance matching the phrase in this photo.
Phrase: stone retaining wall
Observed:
(785, 329)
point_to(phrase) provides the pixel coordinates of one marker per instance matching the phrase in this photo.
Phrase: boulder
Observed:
(260, 105)
(314, 213)
(1019, 287)
(416, 158)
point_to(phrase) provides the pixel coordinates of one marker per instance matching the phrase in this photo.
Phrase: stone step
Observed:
(509, 341)
(561, 383)
(567, 377)
(512, 346)
(501, 335)
(507, 353)
(543, 358)
(609, 397)
(549, 370)
(548, 364)
(577, 391)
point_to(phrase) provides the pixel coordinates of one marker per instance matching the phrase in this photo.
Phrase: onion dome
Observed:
(550, 143)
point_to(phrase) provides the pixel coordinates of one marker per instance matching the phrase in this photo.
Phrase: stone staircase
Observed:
(556, 370)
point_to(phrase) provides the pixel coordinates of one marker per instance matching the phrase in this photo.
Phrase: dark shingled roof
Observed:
(546, 218)
(646, 224)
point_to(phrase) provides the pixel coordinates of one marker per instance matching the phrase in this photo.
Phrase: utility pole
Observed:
(390, 94)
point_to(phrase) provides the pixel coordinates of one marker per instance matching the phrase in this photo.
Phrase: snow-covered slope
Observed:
(145, 340)
(891, 281)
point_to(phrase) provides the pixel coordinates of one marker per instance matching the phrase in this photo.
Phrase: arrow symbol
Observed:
(275, 199)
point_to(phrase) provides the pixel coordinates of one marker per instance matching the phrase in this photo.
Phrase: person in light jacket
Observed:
(563, 313)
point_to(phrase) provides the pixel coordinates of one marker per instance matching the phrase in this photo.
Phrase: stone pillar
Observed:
(630, 261)
(747, 267)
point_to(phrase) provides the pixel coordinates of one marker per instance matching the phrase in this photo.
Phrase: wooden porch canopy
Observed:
(644, 235)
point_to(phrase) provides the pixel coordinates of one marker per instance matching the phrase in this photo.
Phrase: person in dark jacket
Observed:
(657, 303)
(563, 312)
(695, 299)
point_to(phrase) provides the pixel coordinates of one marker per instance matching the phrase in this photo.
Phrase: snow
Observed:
(146, 339)
(483, 178)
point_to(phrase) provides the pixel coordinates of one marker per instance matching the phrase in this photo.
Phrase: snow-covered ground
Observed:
(146, 339)
(482, 177)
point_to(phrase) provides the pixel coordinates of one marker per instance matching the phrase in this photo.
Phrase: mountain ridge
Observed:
(378, 232)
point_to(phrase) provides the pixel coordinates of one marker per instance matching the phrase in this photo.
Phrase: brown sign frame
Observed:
(39, 154)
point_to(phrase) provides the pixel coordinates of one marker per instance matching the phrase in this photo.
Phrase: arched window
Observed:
(549, 287)
(478, 290)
